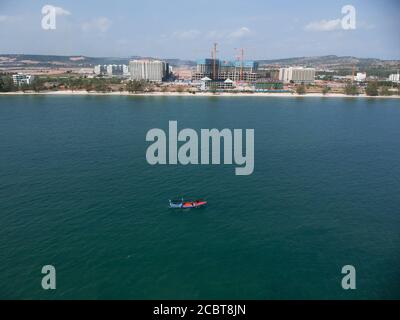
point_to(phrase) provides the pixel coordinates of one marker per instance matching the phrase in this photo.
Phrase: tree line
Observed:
(75, 83)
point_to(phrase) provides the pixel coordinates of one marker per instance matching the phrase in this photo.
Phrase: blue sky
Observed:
(187, 29)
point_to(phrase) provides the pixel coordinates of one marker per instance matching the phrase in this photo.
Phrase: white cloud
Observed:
(62, 12)
(365, 25)
(186, 35)
(215, 35)
(101, 24)
(9, 18)
(324, 25)
(192, 34)
(239, 33)
(232, 35)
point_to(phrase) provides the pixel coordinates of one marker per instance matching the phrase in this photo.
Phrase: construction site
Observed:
(219, 73)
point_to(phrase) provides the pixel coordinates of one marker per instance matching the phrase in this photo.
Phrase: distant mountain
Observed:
(332, 61)
(21, 60)
(29, 60)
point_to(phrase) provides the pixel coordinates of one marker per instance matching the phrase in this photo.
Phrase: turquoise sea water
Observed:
(76, 192)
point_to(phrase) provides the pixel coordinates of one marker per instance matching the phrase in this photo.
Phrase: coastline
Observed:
(200, 94)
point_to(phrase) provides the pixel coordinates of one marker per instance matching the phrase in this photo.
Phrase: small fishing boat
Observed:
(187, 204)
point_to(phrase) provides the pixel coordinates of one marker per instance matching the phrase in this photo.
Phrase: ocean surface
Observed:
(77, 193)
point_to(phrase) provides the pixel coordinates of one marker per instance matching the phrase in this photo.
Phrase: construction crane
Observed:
(240, 58)
(214, 58)
(241, 64)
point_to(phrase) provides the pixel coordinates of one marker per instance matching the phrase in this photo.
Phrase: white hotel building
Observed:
(149, 70)
(394, 78)
(111, 70)
(360, 77)
(297, 75)
(21, 79)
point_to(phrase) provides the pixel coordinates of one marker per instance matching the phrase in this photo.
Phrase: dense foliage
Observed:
(351, 89)
(301, 89)
(372, 89)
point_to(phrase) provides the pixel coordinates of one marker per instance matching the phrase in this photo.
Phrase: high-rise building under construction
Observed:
(226, 69)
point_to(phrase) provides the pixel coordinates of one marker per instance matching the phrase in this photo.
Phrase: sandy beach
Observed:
(200, 94)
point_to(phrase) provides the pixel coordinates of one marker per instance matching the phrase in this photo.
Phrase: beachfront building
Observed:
(297, 75)
(117, 70)
(111, 70)
(395, 77)
(205, 69)
(206, 84)
(265, 73)
(149, 70)
(238, 70)
(100, 69)
(360, 77)
(207, 65)
(221, 70)
(22, 79)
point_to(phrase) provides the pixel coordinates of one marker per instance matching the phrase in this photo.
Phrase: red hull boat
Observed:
(187, 204)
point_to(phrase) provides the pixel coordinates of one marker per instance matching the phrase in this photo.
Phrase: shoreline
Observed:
(200, 94)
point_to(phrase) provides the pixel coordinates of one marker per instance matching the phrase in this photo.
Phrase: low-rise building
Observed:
(207, 84)
(22, 79)
(360, 77)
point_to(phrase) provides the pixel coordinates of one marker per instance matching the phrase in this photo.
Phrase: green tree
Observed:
(38, 85)
(372, 89)
(135, 86)
(326, 89)
(101, 86)
(7, 84)
(24, 87)
(301, 89)
(384, 91)
(89, 86)
(351, 89)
